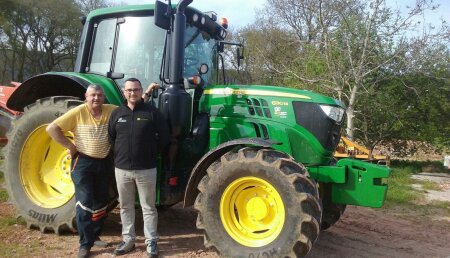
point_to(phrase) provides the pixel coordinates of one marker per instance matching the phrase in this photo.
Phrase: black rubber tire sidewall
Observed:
(57, 219)
(227, 246)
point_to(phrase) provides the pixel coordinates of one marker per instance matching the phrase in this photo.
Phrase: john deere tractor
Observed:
(255, 161)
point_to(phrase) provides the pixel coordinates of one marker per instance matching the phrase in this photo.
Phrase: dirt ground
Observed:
(361, 232)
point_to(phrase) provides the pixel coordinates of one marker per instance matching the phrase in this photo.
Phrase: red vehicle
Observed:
(6, 114)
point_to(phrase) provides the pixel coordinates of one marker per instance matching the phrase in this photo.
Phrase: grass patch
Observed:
(400, 190)
(427, 185)
(421, 166)
(3, 192)
(3, 195)
(9, 221)
(19, 249)
(402, 198)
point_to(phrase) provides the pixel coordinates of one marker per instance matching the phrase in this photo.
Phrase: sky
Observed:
(242, 12)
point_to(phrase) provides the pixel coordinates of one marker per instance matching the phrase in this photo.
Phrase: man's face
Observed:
(132, 92)
(94, 98)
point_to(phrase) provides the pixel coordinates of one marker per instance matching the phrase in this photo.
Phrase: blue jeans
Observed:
(92, 183)
(145, 182)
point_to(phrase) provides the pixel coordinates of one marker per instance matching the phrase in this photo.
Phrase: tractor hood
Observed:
(245, 99)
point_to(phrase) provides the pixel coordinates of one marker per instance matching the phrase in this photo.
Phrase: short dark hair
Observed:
(133, 80)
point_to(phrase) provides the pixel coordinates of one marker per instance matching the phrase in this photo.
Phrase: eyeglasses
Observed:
(132, 90)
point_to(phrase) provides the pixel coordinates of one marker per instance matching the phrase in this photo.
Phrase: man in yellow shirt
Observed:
(90, 161)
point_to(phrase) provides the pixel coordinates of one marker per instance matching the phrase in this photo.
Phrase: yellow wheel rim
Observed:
(44, 168)
(252, 211)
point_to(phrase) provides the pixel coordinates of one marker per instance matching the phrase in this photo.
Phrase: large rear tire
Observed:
(37, 169)
(258, 203)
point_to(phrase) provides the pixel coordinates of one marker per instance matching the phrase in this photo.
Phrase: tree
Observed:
(412, 104)
(87, 6)
(38, 37)
(351, 45)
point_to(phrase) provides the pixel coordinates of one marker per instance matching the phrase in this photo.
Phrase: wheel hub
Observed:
(252, 211)
(257, 209)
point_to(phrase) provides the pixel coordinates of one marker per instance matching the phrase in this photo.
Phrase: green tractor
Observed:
(256, 162)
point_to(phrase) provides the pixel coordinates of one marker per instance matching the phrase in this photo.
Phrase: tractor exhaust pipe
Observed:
(177, 46)
(175, 103)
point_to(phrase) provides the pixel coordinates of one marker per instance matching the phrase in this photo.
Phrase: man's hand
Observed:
(56, 133)
(150, 89)
(72, 151)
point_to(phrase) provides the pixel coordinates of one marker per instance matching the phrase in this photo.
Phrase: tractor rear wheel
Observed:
(37, 169)
(258, 203)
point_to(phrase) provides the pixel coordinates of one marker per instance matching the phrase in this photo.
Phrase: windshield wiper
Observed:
(194, 36)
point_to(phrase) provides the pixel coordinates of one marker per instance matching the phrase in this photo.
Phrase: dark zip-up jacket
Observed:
(137, 136)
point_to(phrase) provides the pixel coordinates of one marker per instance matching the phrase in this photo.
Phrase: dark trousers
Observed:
(92, 183)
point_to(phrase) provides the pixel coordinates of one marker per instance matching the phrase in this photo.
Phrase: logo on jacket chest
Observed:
(121, 120)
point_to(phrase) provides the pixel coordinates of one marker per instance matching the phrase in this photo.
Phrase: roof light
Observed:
(195, 80)
(224, 23)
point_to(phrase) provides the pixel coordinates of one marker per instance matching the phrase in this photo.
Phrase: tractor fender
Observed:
(199, 171)
(46, 85)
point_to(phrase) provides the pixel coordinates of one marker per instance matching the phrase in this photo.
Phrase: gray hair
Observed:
(95, 87)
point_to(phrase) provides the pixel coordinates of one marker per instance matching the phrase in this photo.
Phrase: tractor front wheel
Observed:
(332, 212)
(258, 203)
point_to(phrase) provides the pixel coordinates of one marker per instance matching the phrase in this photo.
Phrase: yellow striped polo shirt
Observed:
(91, 135)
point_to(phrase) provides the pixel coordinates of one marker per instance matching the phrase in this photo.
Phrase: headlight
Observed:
(335, 113)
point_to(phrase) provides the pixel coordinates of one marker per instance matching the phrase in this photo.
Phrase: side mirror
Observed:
(162, 15)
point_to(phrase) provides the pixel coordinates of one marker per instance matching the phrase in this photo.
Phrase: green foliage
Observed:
(419, 166)
(400, 190)
(361, 53)
(410, 107)
(10, 221)
(402, 196)
(3, 195)
(37, 37)
(427, 185)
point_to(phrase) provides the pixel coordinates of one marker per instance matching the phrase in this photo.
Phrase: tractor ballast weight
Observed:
(256, 161)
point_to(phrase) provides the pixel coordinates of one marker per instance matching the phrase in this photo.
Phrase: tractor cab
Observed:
(123, 44)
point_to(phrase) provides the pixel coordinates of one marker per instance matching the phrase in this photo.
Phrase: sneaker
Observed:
(152, 249)
(84, 252)
(99, 243)
(124, 247)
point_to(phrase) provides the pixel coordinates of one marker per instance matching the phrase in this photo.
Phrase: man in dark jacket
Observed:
(138, 132)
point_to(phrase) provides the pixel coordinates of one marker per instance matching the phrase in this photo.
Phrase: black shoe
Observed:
(124, 247)
(84, 252)
(152, 249)
(99, 243)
